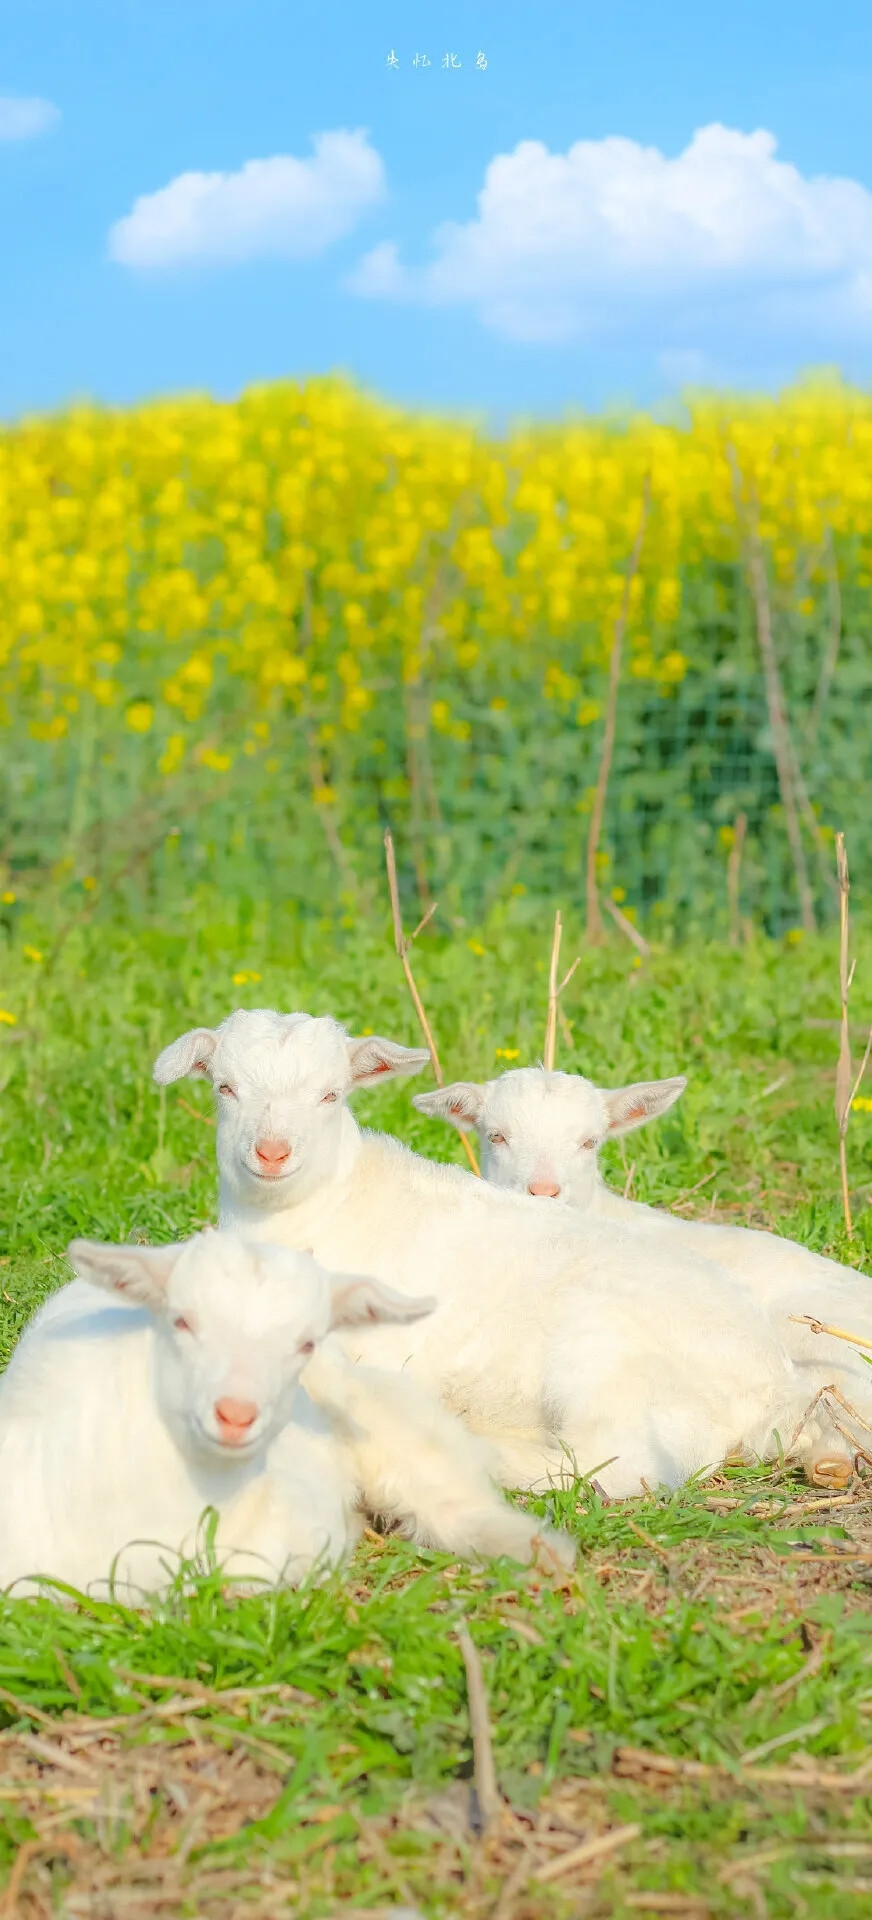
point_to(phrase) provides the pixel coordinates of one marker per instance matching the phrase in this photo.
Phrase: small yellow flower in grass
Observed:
(89, 883)
(245, 979)
(619, 894)
(793, 936)
(139, 716)
(8, 898)
(518, 889)
(862, 1104)
(324, 796)
(216, 762)
(507, 1053)
(637, 960)
(475, 946)
(32, 953)
(7, 1019)
(727, 836)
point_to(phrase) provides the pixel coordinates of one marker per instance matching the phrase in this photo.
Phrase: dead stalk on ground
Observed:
(487, 1791)
(554, 992)
(594, 915)
(402, 945)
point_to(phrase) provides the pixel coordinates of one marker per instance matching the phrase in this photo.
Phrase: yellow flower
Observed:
(7, 1019)
(475, 946)
(89, 883)
(173, 754)
(508, 1053)
(8, 898)
(244, 979)
(32, 953)
(324, 796)
(139, 716)
(793, 936)
(619, 894)
(862, 1104)
(216, 762)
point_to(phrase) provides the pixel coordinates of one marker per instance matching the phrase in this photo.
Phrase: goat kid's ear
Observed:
(357, 1301)
(462, 1104)
(138, 1274)
(190, 1054)
(629, 1107)
(372, 1059)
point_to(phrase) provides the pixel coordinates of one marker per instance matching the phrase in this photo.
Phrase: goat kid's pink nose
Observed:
(543, 1189)
(237, 1415)
(273, 1153)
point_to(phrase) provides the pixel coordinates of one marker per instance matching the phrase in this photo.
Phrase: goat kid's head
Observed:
(237, 1322)
(281, 1081)
(541, 1132)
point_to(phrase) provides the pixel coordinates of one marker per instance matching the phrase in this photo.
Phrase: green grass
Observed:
(706, 1627)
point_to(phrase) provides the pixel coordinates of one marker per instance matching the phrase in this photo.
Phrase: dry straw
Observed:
(554, 992)
(402, 944)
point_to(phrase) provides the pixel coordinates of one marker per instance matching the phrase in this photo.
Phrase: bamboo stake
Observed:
(734, 868)
(554, 992)
(595, 929)
(402, 945)
(785, 758)
(627, 928)
(843, 1069)
(834, 638)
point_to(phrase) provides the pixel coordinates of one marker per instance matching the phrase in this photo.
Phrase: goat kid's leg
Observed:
(277, 1532)
(417, 1466)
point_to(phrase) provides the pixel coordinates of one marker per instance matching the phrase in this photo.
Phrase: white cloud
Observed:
(280, 207)
(615, 239)
(23, 119)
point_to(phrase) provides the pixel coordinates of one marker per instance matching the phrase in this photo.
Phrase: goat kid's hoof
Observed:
(835, 1473)
(553, 1555)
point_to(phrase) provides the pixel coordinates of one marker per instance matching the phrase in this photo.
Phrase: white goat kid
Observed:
(194, 1386)
(552, 1332)
(541, 1133)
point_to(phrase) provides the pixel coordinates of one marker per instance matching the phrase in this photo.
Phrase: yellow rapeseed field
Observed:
(188, 575)
(255, 532)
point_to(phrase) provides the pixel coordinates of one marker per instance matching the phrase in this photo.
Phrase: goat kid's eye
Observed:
(497, 1139)
(329, 1099)
(182, 1325)
(587, 1146)
(228, 1091)
(308, 1346)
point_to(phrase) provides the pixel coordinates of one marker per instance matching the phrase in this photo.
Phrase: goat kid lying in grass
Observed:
(555, 1334)
(207, 1379)
(541, 1133)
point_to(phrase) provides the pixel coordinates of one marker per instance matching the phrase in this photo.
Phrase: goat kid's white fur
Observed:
(111, 1445)
(554, 1334)
(544, 1130)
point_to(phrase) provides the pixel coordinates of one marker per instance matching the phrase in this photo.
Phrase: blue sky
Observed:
(595, 273)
